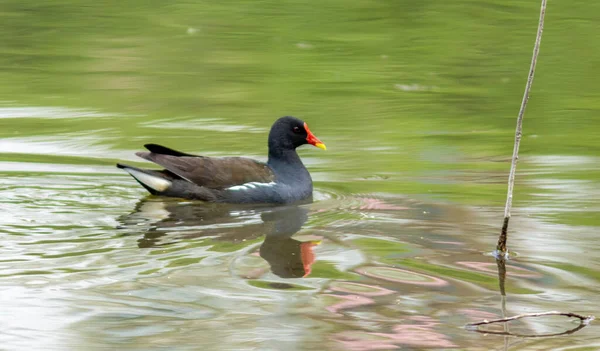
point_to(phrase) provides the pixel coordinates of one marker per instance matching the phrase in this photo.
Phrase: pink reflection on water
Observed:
(348, 301)
(424, 279)
(417, 332)
(370, 204)
(377, 204)
(372, 290)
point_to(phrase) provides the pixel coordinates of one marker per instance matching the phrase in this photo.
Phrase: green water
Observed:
(416, 102)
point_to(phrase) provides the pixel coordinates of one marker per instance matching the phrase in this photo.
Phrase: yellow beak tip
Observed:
(321, 146)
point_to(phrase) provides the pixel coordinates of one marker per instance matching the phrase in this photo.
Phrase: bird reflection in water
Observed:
(168, 221)
(289, 258)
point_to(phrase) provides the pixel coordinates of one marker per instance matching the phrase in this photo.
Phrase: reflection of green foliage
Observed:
(428, 99)
(179, 247)
(188, 261)
(586, 272)
(70, 240)
(149, 271)
(80, 253)
(169, 258)
(577, 218)
(230, 246)
(322, 269)
(459, 191)
(382, 249)
(327, 217)
(132, 264)
(277, 285)
(215, 245)
(411, 97)
(31, 272)
(485, 280)
(73, 270)
(186, 245)
(57, 159)
(579, 174)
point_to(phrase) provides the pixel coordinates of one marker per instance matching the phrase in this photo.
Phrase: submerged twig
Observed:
(501, 247)
(508, 334)
(583, 319)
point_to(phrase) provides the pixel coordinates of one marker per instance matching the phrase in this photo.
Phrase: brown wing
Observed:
(212, 172)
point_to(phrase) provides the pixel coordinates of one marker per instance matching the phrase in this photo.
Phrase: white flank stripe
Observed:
(251, 185)
(156, 183)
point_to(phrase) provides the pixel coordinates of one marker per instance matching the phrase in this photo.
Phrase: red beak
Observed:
(313, 140)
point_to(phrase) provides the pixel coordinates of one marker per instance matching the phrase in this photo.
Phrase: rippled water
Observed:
(416, 103)
(89, 261)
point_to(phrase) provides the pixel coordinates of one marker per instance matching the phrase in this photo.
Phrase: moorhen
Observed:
(283, 179)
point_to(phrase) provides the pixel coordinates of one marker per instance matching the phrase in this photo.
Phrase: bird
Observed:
(283, 179)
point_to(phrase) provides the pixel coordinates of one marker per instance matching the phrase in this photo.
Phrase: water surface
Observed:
(416, 102)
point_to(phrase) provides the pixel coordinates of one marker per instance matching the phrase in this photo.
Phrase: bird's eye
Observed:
(297, 130)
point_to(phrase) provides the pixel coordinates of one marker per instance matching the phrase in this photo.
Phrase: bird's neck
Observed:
(287, 165)
(284, 156)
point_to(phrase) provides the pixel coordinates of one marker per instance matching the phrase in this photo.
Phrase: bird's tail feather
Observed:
(155, 182)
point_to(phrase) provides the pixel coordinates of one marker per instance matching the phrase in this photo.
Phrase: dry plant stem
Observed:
(583, 319)
(501, 247)
(508, 335)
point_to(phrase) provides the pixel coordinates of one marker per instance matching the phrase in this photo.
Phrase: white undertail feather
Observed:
(250, 185)
(154, 182)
